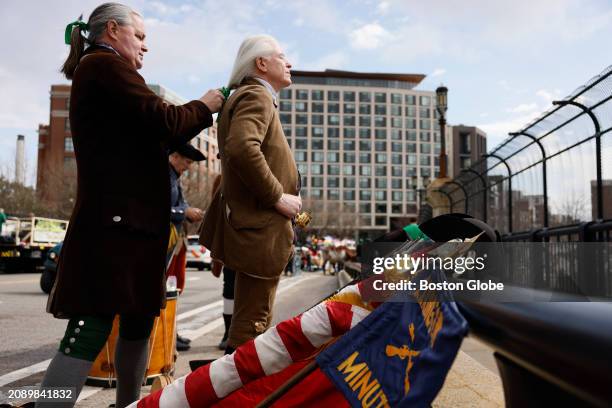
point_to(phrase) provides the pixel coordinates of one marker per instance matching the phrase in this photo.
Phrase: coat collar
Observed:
(257, 81)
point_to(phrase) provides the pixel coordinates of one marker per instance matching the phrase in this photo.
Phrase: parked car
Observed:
(47, 278)
(198, 256)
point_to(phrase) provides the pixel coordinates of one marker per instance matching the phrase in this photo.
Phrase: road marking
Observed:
(24, 372)
(191, 334)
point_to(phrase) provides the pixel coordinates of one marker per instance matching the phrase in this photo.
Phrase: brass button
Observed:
(116, 218)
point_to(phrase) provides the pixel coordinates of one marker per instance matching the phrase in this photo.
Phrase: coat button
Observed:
(81, 323)
(72, 340)
(77, 330)
(116, 218)
(67, 350)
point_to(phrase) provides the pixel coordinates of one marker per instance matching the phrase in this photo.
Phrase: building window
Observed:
(349, 195)
(410, 99)
(381, 171)
(365, 208)
(68, 145)
(380, 109)
(365, 109)
(333, 157)
(349, 121)
(380, 121)
(466, 162)
(317, 144)
(381, 157)
(425, 148)
(365, 97)
(333, 182)
(365, 182)
(301, 131)
(349, 133)
(285, 93)
(317, 107)
(380, 146)
(381, 208)
(333, 120)
(300, 156)
(285, 106)
(349, 145)
(286, 131)
(425, 161)
(380, 133)
(365, 195)
(425, 172)
(349, 157)
(364, 133)
(396, 122)
(333, 194)
(411, 136)
(381, 183)
(333, 108)
(349, 108)
(349, 96)
(316, 95)
(301, 107)
(365, 158)
(380, 97)
(317, 181)
(317, 119)
(348, 170)
(301, 94)
(411, 111)
(396, 171)
(396, 110)
(425, 136)
(396, 98)
(333, 144)
(365, 170)
(301, 119)
(316, 193)
(316, 169)
(396, 134)
(285, 118)
(424, 100)
(410, 123)
(365, 121)
(317, 132)
(317, 156)
(396, 208)
(396, 147)
(411, 147)
(381, 195)
(333, 95)
(424, 112)
(396, 183)
(365, 221)
(365, 145)
(397, 196)
(333, 132)
(396, 159)
(349, 182)
(464, 143)
(333, 170)
(411, 172)
(411, 159)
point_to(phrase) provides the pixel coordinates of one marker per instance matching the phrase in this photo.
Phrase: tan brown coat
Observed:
(241, 227)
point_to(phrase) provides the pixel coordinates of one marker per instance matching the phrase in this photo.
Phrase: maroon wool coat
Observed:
(113, 257)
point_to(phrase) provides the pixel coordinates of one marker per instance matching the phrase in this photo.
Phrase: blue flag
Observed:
(399, 355)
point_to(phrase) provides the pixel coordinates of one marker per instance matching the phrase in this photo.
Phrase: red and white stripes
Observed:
(282, 345)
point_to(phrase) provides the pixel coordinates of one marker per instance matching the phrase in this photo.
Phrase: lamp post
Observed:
(441, 107)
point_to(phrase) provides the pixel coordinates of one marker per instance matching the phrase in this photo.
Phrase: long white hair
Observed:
(251, 49)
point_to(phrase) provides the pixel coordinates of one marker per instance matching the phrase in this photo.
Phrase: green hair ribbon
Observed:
(225, 91)
(78, 23)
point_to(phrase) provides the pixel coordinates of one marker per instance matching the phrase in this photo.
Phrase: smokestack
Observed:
(20, 165)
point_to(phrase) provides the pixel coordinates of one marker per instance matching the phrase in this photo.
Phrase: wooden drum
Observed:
(161, 349)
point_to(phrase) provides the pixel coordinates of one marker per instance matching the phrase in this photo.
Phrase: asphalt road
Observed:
(29, 336)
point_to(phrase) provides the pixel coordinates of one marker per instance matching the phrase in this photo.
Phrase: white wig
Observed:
(251, 49)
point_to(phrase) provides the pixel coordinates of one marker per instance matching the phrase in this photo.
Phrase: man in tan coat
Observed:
(248, 225)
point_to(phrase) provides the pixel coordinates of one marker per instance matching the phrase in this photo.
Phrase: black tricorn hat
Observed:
(189, 151)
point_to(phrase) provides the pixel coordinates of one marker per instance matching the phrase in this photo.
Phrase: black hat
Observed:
(189, 151)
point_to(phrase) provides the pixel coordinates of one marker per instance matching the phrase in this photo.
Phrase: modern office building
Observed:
(56, 172)
(364, 143)
(466, 146)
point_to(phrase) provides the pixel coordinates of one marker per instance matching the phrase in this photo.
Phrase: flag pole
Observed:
(290, 383)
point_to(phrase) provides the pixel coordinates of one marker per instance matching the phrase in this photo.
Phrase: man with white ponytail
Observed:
(122, 132)
(248, 226)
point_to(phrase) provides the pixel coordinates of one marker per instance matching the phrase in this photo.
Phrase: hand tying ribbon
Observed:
(226, 93)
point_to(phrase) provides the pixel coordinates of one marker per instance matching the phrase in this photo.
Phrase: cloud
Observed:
(438, 72)
(334, 60)
(498, 130)
(383, 7)
(549, 96)
(369, 36)
(523, 108)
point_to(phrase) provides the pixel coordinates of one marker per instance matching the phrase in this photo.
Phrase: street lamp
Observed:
(441, 107)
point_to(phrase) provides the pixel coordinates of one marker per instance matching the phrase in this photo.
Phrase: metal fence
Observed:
(555, 171)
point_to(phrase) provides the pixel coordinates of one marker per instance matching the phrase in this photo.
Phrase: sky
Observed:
(503, 61)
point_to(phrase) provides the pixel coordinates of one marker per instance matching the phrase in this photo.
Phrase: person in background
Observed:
(121, 218)
(181, 160)
(2, 219)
